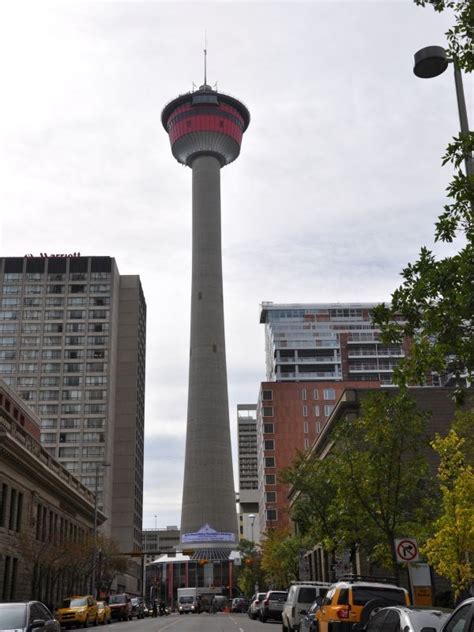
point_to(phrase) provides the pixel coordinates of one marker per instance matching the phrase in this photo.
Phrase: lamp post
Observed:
(252, 518)
(433, 61)
(94, 532)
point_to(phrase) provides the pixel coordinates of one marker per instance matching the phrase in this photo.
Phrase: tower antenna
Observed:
(205, 58)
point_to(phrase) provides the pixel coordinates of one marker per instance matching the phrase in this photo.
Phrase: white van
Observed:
(300, 597)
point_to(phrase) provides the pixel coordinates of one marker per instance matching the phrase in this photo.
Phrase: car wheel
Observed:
(370, 609)
(263, 618)
(86, 623)
(96, 621)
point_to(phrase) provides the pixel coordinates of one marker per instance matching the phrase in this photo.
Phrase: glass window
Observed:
(48, 437)
(97, 353)
(95, 422)
(26, 381)
(72, 422)
(95, 408)
(303, 393)
(68, 452)
(315, 393)
(54, 301)
(52, 341)
(53, 328)
(268, 428)
(55, 289)
(75, 327)
(54, 314)
(97, 340)
(305, 411)
(78, 276)
(73, 354)
(73, 367)
(51, 367)
(72, 380)
(7, 315)
(74, 340)
(329, 393)
(271, 514)
(71, 409)
(26, 367)
(267, 411)
(328, 409)
(76, 314)
(269, 444)
(267, 395)
(32, 302)
(49, 395)
(72, 394)
(458, 620)
(50, 381)
(48, 409)
(30, 314)
(30, 328)
(96, 394)
(49, 423)
(318, 427)
(99, 301)
(77, 289)
(51, 354)
(270, 479)
(270, 497)
(269, 461)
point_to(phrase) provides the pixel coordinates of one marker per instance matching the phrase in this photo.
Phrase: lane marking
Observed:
(170, 625)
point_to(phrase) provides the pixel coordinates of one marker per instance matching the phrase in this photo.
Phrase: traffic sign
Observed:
(406, 550)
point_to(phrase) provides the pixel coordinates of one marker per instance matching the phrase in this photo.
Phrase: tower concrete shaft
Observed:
(209, 493)
(205, 130)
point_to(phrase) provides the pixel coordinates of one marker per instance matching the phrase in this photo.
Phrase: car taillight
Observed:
(343, 613)
(266, 602)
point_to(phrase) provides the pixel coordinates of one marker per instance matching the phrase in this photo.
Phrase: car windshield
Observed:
(12, 616)
(74, 603)
(186, 599)
(362, 594)
(117, 599)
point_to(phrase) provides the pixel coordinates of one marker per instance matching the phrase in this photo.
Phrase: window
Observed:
(49, 423)
(306, 444)
(271, 497)
(318, 427)
(267, 411)
(71, 409)
(305, 427)
(48, 409)
(54, 314)
(51, 354)
(269, 461)
(48, 437)
(74, 341)
(96, 394)
(269, 444)
(49, 395)
(76, 394)
(96, 340)
(72, 380)
(53, 328)
(54, 301)
(73, 367)
(315, 393)
(77, 314)
(27, 368)
(303, 394)
(72, 422)
(69, 437)
(97, 353)
(55, 289)
(305, 411)
(75, 327)
(73, 354)
(267, 395)
(95, 367)
(271, 514)
(95, 408)
(68, 452)
(95, 422)
(93, 450)
(268, 428)
(329, 393)
(4, 315)
(77, 289)
(316, 411)
(51, 367)
(30, 328)
(52, 341)
(270, 479)
(457, 622)
(96, 380)
(328, 409)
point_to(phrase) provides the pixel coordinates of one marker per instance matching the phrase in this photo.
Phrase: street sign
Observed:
(406, 550)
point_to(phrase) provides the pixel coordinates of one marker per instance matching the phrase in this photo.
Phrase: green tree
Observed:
(435, 303)
(451, 549)
(281, 557)
(250, 573)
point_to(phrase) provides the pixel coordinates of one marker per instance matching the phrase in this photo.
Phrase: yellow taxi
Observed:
(355, 601)
(78, 611)
(105, 613)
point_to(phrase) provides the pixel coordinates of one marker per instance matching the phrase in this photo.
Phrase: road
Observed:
(220, 622)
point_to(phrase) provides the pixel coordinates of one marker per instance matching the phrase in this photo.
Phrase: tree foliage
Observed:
(376, 478)
(250, 573)
(281, 557)
(451, 549)
(434, 306)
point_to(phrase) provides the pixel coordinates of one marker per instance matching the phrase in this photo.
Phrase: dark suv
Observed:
(272, 604)
(120, 607)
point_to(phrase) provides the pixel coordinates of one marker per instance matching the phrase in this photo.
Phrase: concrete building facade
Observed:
(42, 507)
(249, 528)
(72, 344)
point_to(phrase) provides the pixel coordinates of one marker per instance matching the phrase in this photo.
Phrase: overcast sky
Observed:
(338, 184)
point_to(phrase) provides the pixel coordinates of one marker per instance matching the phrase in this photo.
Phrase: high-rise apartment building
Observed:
(326, 341)
(314, 351)
(248, 471)
(72, 344)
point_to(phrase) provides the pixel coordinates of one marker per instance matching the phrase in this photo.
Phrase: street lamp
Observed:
(94, 532)
(433, 61)
(252, 518)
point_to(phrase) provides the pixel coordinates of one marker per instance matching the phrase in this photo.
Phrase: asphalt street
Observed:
(220, 622)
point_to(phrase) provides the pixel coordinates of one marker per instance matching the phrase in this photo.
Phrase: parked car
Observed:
(239, 604)
(105, 615)
(121, 607)
(78, 611)
(355, 600)
(307, 623)
(300, 597)
(462, 618)
(138, 607)
(25, 616)
(394, 619)
(271, 605)
(253, 611)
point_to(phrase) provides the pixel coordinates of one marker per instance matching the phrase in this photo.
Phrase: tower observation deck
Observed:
(205, 129)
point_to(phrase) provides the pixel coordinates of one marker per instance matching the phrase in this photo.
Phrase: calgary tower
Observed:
(205, 128)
